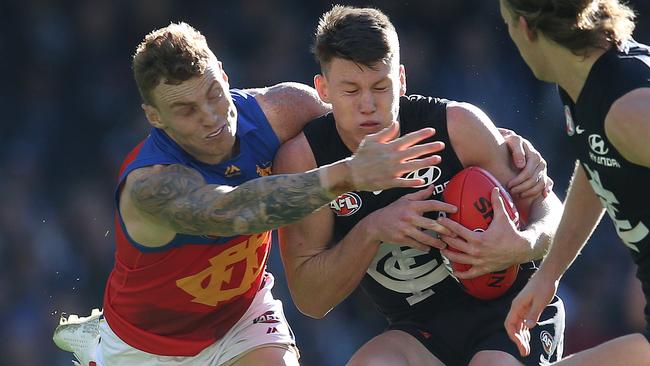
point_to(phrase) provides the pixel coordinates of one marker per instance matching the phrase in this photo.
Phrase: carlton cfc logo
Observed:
(346, 204)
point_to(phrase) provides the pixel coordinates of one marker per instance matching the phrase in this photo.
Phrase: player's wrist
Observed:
(368, 226)
(337, 178)
(549, 272)
(528, 245)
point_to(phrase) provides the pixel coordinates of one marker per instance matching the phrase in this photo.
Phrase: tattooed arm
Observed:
(159, 201)
(177, 198)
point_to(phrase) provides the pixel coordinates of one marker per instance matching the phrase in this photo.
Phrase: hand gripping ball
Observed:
(470, 191)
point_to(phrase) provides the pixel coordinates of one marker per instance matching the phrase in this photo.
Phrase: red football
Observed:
(470, 191)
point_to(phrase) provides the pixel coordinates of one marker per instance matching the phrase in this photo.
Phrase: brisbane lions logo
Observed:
(263, 170)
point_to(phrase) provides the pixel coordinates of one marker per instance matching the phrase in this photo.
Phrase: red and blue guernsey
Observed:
(180, 298)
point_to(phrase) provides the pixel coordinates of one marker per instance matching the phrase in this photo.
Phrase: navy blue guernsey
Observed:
(621, 185)
(400, 280)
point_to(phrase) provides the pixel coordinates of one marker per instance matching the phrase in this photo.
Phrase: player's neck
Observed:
(571, 71)
(218, 159)
(350, 141)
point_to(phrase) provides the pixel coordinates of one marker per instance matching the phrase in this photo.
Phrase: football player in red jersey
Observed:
(603, 76)
(377, 239)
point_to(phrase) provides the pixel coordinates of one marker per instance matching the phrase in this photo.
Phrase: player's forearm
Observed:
(582, 212)
(180, 198)
(278, 200)
(326, 279)
(270, 202)
(544, 219)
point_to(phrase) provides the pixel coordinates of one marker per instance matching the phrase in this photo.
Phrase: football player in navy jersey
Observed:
(377, 239)
(603, 76)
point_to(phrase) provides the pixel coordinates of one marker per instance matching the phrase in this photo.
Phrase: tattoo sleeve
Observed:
(180, 198)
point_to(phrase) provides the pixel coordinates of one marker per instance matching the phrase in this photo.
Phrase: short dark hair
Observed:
(362, 35)
(172, 55)
(578, 25)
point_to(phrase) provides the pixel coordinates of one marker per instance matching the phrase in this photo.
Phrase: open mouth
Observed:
(217, 132)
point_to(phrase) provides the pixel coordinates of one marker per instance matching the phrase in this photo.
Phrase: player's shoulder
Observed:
(159, 173)
(473, 135)
(626, 123)
(420, 104)
(465, 114)
(629, 112)
(620, 70)
(144, 172)
(418, 111)
(631, 56)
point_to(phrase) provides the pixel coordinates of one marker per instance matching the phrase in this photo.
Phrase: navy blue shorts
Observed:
(456, 335)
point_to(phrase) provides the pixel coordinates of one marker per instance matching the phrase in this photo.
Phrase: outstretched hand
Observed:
(497, 248)
(526, 309)
(382, 158)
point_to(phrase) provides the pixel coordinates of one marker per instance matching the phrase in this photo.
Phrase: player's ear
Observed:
(531, 34)
(223, 72)
(320, 84)
(152, 115)
(402, 80)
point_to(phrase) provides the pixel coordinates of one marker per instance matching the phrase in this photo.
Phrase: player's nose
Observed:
(367, 103)
(210, 116)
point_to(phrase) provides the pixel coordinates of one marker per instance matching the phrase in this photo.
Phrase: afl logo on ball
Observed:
(346, 204)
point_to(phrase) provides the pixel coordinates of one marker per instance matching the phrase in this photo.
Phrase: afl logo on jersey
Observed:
(570, 126)
(346, 204)
(597, 144)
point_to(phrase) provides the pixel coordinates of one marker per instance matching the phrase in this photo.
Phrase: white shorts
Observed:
(263, 325)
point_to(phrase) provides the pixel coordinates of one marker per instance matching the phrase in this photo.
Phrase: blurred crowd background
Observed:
(70, 112)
